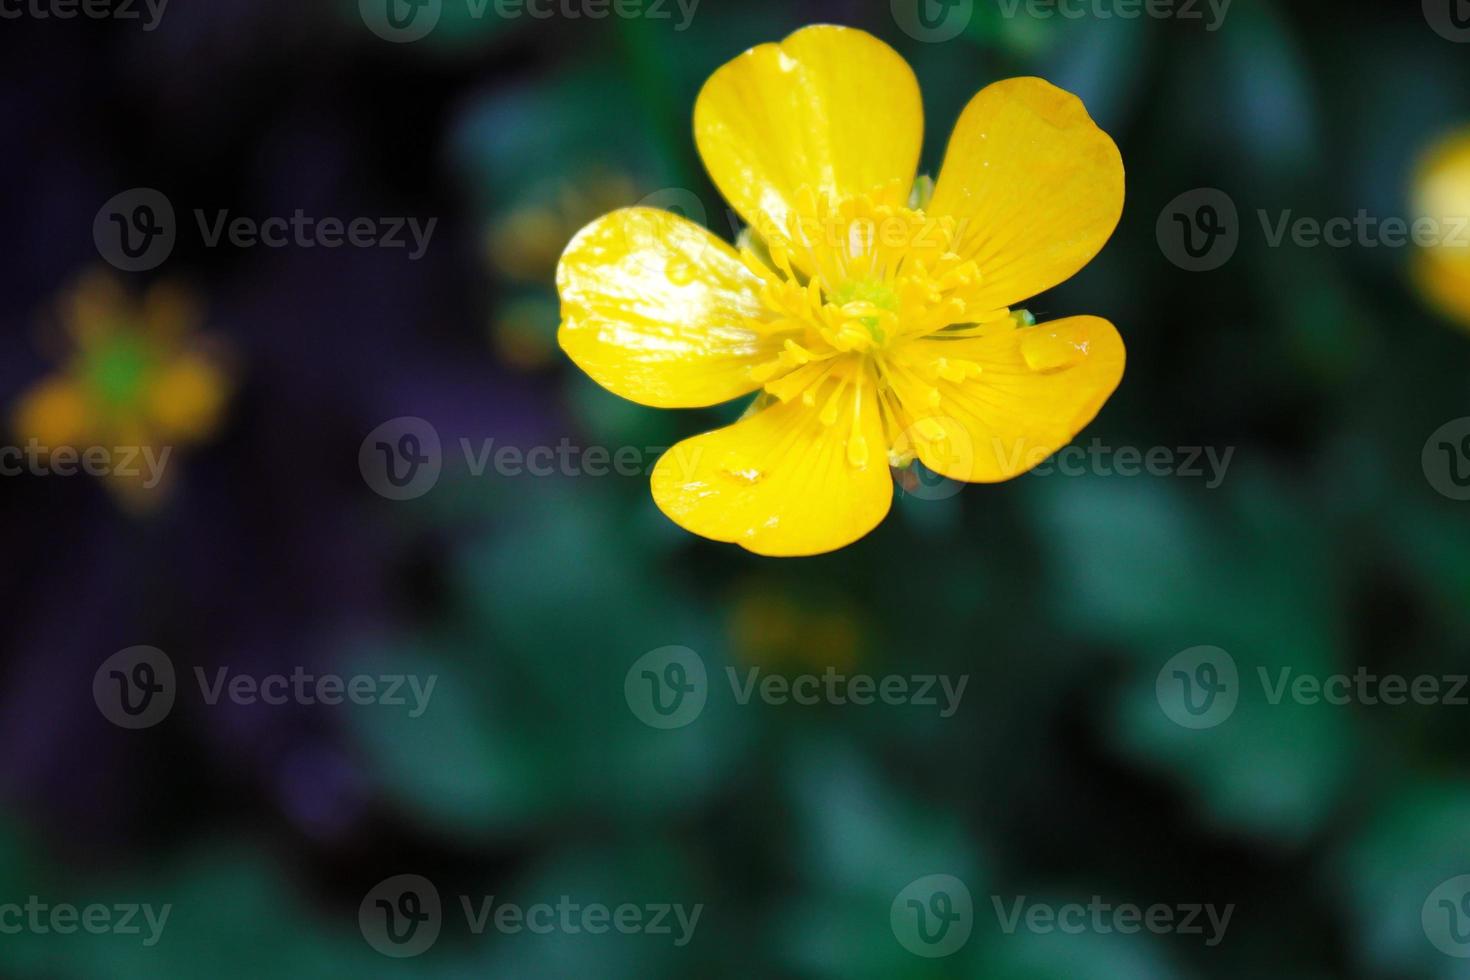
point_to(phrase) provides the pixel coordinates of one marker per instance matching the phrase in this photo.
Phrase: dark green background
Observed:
(1324, 549)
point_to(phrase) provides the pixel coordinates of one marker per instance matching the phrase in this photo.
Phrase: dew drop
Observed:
(1052, 350)
(742, 469)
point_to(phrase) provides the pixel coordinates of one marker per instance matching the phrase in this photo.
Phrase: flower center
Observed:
(854, 280)
(867, 292)
(116, 370)
(848, 286)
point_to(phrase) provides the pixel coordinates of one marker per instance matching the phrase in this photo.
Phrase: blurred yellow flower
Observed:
(1442, 194)
(525, 242)
(523, 245)
(134, 382)
(771, 627)
(872, 312)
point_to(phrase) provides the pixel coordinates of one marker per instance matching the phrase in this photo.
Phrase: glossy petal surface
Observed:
(991, 407)
(831, 109)
(658, 310)
(1035, 186)
(781, 481)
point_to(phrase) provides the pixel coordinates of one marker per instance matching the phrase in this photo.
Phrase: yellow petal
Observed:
(1035, 388)
(1445, 282)
(1035, 187)
(658, 310)
(55, 412)
(186, 398)
(1442, 194)
(830, 108)
(782, 482)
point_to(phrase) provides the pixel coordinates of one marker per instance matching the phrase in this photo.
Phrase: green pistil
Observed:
(116, 370)
(867, 291)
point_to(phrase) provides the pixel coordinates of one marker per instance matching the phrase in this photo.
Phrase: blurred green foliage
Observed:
(1060, 598)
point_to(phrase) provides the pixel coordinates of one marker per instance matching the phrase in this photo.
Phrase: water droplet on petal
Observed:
(741, 469)
(1047, 349)
(680, 272)
(857, 451)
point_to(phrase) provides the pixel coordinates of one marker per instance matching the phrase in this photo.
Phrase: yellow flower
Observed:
(771, 627)
(133, 380)
(1442, 195)
(874, 320)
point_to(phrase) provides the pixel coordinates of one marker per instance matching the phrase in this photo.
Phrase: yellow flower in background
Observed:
(1442, 194)
(134, 382)
(523, 246)
(872, 313)
(771, 626)
(525, 242)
